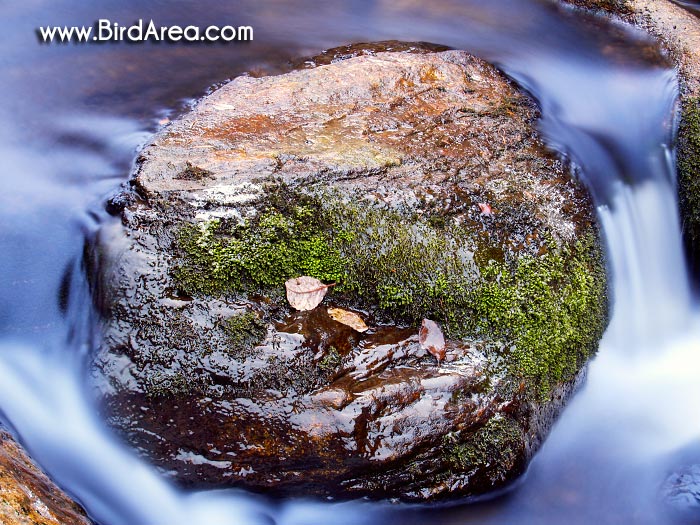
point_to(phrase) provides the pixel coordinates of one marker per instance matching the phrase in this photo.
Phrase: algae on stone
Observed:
(264, 252)
(689, 174)
(548, 311)
(245, 331)
(493, 447)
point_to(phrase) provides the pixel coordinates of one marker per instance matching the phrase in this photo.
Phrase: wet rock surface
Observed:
(680, 491)
(412, 181)
(27, 496)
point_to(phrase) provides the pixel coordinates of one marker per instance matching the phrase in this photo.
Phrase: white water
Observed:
(606, 456)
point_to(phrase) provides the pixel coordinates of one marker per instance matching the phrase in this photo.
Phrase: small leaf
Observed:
(348, 318)
(485, 208)
(305, 293)
(431, 339)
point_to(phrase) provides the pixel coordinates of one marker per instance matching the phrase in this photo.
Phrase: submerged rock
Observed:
(27, 496)
(680, 491)
(371, 173)
(679, 485)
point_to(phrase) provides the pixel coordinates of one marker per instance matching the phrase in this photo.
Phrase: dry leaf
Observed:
(305, 293)
(431, 339)
(485, 208)
(348, 318)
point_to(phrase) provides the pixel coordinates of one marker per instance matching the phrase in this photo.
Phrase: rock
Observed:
(617, 7)
(680, 491)
(679, 483)
(366, 172)
(27, 496)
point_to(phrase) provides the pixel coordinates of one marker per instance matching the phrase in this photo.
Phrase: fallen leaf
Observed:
(348, 318)
(305, 293)
(431, 339)
(485, 208)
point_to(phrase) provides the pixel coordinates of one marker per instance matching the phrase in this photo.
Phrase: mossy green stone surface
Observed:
(499, 439)
(415, 184)
(689, 174)
(547, 309)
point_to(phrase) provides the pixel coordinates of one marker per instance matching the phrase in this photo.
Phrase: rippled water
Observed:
(74, 117)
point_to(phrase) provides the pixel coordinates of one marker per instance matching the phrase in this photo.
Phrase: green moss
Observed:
(552, 307)
(494, 448)
(331, 361)
(508, 107)
(689, 174)
(244, 331)
(280, 243)
(405, 266)
(548, 311)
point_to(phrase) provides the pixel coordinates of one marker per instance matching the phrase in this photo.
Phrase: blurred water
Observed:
(74, 117)
(691, 5)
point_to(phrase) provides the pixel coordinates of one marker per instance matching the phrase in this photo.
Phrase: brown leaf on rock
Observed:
(431, 339)
(348, 318)
(305, 293)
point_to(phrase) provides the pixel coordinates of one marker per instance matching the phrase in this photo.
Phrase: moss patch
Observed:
(552, 307)
(546, 312)
(244, 331)
(282, 242)
(689, 175)
(406, 266)
(494, 448)
(330, 362)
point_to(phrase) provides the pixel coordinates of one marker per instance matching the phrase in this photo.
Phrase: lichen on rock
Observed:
(415, 183)
(27, 495)
(406, 268)
(617, 7)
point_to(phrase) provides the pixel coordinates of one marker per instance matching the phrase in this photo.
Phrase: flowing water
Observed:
(74, 117)
(691, 5)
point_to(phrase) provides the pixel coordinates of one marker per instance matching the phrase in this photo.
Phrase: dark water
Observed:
(73, 118)
(691, 5)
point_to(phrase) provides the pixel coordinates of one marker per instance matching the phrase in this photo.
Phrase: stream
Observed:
(74, 117)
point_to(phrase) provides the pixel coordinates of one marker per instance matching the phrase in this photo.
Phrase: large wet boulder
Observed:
(27, 496)
(416, 184)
